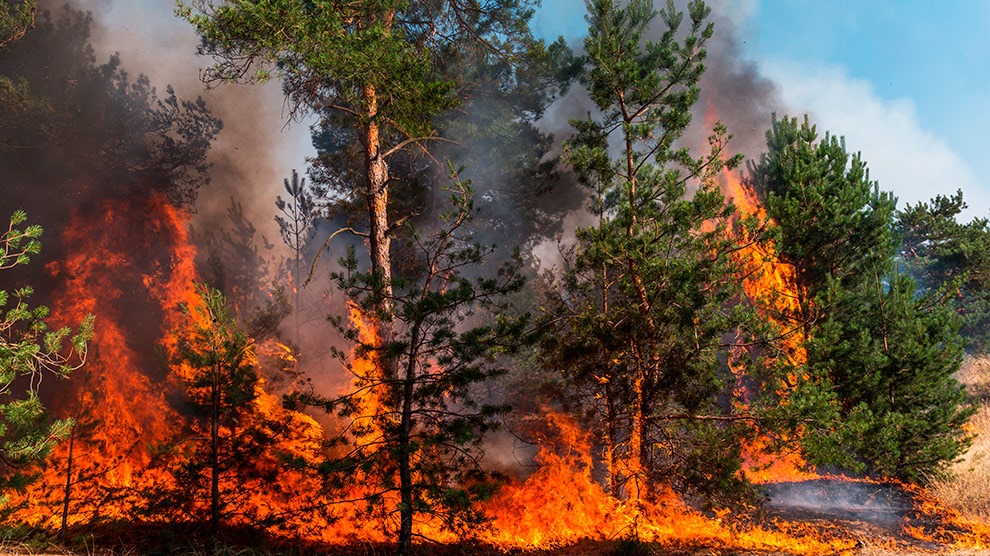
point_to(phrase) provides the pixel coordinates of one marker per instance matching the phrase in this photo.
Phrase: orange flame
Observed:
(561, 504)
(137, 259)
(132, 268)
(771, 284)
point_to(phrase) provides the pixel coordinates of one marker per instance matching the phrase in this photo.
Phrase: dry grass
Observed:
(969, 490)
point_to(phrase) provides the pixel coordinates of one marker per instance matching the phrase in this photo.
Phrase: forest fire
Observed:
(133, 268)
(119, 266)
(561, 503)
(665, 381)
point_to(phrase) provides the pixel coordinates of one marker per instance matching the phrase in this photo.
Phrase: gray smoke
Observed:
(258, 146)
(732, 91)
(733, 87)
(885, 505)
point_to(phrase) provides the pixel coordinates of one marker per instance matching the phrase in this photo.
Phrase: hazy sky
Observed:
(905, 81)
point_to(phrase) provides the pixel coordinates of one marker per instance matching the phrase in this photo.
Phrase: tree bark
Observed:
(215, 459)
(636, 486)
(406, 509)
(376, 183)
(610, 433)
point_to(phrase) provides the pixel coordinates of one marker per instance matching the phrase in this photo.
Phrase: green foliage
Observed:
(19, 108)
(27, 120)
(327, 53)
(29, 351)
(951, 258)
(16, 17)
(219, 356)
(648, 299)
(500, 91)
(890, 355)
(877, 393)
(835, 223)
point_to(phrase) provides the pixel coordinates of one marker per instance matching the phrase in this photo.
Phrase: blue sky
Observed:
(907, 82)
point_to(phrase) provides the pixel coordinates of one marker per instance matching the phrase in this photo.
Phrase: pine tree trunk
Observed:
(405, 457)
(636, 481)
(297, 290)
(610, 430)
(215, 459)
(67, 494)
(377, 191)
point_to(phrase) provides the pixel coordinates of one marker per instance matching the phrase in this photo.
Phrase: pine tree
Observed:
(835, 223)
(231, 440)
(375, 69)
(368, 62)
(878, 381)
(650, 296)
(15, 19)
(952, 258)
(91, 125)
(296, 225)
(417, 424)
(889, 355)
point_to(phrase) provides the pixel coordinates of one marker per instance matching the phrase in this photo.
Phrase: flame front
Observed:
(561, 504)
(133, 267)
(117, 399)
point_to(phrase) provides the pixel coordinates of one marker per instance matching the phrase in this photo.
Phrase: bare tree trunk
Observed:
(610, 433)
(405, 467)
(297, 289)
(67, 494)
(405, 456)
(636, 481)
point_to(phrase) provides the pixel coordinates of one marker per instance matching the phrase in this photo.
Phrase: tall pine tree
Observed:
(879, 380)
(648, 300)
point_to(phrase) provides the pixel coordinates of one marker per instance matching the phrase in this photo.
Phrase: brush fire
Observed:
(137, 253)
(716, 360)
